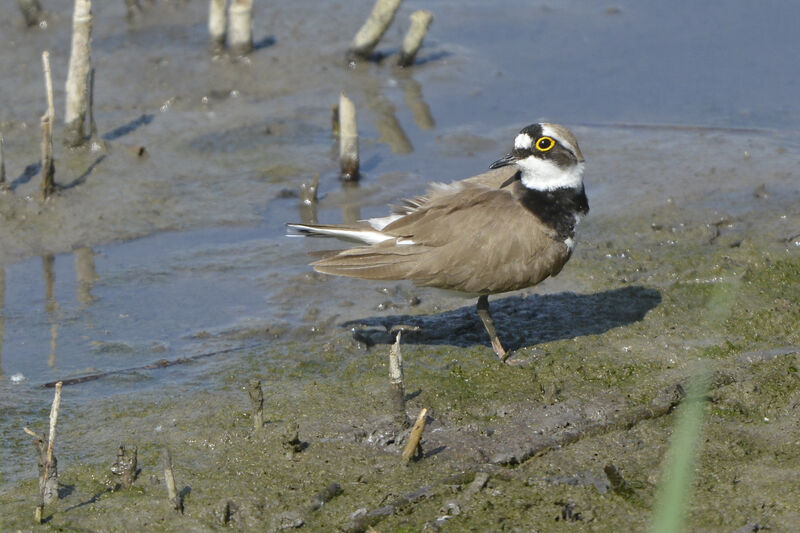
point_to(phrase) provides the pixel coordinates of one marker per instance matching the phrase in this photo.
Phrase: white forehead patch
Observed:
(523, 141)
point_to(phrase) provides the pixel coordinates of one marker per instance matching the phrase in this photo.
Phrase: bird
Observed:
(502, 230)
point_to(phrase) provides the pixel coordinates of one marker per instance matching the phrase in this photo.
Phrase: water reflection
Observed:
(2, 314)
(308, 201)
(412, 96)
(50, 305)
(389, 128)
(85, 274)
(49, 274)
(28, 326)
(351, 206)
(308, 213)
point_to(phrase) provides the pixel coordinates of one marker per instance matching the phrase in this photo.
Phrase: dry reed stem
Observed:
(48, 84)
(373, 29)
(396, 386)
(217, 26)
(48, 165)
(169, 480)
(48, 491)
(257, 399)
(77, 88)
(416, 434)
(240, 27)
(420, 22)
(348, 139)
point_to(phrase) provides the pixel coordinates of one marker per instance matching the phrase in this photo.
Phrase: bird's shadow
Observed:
(520, 320)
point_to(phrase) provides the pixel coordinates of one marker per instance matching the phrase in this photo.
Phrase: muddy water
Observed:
(166, 241)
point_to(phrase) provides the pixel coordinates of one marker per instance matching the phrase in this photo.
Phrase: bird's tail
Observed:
(364, 234)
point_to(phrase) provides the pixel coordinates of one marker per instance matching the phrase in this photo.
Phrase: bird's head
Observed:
(548, 158)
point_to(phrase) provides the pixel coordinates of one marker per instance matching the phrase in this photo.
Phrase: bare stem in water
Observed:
(217, 26)
(373, 29)
(48, 165)
(348, 139)
(77, 88)
(420, 22)
(240, 25)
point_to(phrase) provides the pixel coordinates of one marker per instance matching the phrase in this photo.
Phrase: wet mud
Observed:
(165, 242)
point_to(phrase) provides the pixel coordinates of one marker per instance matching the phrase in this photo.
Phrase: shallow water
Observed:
(168, 255)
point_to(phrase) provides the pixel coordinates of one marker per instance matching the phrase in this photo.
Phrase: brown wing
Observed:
(464, 237)
(493, 179)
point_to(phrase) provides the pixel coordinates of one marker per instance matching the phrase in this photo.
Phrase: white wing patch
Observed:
(379, 223)
(365, 236)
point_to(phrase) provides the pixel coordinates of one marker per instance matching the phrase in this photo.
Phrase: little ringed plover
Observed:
(499, 231)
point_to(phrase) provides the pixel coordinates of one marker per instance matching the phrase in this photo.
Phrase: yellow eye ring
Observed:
(545, 144)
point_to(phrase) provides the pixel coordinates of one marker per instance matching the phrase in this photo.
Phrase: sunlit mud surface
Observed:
(158, 281)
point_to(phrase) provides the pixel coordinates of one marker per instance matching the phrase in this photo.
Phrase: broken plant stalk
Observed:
(77, 88)
(397, 389)
(416, 434)
(48, 485)
(240, 24)
(48, 164)
(169, 479)
(257, 399)
(420, 22)
(373, 29)
(217, 26)
(348, 139)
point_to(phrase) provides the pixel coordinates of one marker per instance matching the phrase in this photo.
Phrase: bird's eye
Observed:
(544, 144)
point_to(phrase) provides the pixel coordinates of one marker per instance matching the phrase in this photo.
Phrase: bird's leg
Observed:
(488, 323)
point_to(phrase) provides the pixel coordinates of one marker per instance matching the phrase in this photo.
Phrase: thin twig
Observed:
(90, 110)
(161, 363)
